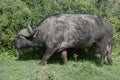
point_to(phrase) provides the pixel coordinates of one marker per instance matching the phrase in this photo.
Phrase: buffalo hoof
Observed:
(63, 63)
(110, 64)
(99, 65)
(42, 64)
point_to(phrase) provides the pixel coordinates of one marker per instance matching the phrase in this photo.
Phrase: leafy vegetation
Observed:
(14, 15)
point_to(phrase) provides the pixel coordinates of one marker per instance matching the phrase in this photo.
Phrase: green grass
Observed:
(80, 70)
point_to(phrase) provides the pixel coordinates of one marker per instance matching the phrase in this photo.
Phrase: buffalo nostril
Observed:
(13, 46)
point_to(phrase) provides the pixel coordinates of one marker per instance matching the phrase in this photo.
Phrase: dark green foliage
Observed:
(15, 14)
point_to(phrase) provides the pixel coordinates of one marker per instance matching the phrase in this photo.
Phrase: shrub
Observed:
(14, 15)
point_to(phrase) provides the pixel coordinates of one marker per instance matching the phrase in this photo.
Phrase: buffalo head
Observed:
(25, 37)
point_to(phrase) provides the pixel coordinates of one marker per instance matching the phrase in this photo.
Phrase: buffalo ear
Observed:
(27, 32)
(35, 33)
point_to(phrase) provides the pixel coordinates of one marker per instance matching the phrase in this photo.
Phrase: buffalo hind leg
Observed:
(109, 52)
(103, 52)
(64, 56)
(102, 57)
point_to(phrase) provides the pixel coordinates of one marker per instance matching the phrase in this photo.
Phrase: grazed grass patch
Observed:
(80, 70)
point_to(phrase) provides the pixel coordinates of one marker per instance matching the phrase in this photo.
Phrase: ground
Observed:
(74, 70)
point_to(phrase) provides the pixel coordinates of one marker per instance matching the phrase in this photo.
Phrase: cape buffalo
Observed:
(62, 31)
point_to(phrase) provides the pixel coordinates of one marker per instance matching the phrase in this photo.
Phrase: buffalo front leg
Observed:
(102, 55)
(46, 56)
(64, 56)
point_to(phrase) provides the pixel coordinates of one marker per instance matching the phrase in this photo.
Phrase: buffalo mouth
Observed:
(20, 48)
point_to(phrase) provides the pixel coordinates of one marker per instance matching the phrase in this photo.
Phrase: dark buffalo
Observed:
(62, 31)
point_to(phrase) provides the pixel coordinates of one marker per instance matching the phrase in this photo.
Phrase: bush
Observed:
(116, 38)
(14, 15)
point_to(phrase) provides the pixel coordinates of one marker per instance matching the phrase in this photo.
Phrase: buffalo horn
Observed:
(30, 29)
